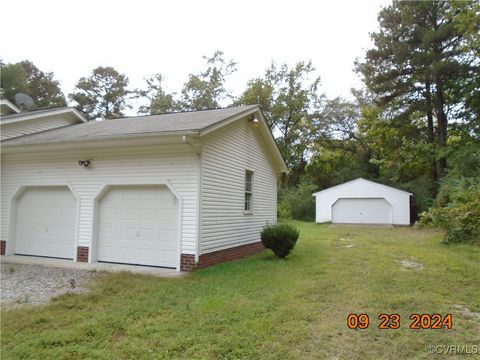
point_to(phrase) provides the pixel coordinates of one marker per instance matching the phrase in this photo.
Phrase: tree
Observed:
(336, 128)
(290, 99)
(103, 95)
(207, 89)
(421, 66)
(26, 78)
(158, 100)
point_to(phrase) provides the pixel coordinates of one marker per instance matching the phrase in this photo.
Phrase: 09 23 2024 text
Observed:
(393, 321)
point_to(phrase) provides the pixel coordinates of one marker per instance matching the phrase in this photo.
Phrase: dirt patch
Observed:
(466, 312)
(409, 264)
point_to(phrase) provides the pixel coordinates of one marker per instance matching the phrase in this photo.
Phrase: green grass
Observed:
(263, 308)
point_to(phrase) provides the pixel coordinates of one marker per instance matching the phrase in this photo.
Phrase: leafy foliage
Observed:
(290, 99)
(159, 101)
(26, 78)
(206, 90)
(421, 66)
(457, 206)
(460, 216)
(280, 238)
(103, 95)
(298, 202)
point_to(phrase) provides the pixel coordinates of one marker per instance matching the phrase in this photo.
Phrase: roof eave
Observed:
(34, 116)
(10, 106)
(5, 143)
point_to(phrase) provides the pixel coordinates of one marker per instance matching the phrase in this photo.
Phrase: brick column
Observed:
(82, 253)
(3, 246)
(187, 262)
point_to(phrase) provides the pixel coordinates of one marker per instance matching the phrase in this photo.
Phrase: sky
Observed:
(143, 37)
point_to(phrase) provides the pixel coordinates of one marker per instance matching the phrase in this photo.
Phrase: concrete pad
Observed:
(69, 264)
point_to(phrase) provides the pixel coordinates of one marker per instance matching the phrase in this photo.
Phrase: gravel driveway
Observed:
(36, 284)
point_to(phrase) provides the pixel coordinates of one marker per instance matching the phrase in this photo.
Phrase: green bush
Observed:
(280, 238)
(298, 202)
(457, 210)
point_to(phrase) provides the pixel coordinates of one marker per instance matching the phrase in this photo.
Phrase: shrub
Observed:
(457, 210)
(280, 238)
(298, 202)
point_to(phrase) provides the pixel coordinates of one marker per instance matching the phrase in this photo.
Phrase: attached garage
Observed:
(362, 201)
(45, 222)
(163, 190)
(138, 225)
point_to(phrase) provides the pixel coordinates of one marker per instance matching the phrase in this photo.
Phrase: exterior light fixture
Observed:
(84, 163)
(254, 121)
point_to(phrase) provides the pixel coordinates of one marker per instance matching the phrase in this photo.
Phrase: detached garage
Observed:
(361, 201)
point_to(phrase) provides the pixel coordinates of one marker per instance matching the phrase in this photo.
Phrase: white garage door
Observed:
(138, 225)
(45, 222)
(362, 211)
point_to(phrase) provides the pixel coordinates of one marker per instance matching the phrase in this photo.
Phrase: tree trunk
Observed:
(441, 123)
(431, 131)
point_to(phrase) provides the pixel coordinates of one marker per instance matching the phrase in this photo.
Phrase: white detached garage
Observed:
(362, 201)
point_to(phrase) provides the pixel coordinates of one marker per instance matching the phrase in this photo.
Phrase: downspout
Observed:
(199, 195)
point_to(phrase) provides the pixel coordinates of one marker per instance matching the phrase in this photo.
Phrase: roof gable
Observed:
(359, 180)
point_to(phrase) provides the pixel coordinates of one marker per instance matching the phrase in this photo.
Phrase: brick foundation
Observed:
(221, 256)
(82, 253)
(3, 246)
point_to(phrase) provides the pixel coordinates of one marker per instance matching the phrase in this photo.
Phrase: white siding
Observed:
(176, 164)
(227, 153)
(20, 128)
(361, 188)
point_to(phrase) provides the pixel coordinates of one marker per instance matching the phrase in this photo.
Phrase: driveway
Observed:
(23, 284)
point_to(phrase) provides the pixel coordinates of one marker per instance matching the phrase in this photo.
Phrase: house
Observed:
(361, 201)
(181, 190)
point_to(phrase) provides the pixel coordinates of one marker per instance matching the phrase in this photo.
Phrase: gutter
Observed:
(6, 143)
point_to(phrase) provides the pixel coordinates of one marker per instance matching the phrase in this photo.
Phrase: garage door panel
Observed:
(46, 222)
(138, 225)
(362, 211)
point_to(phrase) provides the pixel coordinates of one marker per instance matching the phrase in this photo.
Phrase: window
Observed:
(248, 190)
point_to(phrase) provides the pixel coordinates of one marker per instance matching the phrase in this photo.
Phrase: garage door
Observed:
(362, 211)
(45, 222)
(138, 225)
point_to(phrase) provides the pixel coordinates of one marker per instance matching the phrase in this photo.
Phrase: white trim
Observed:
(12, 216)
(10, 106)
(199, 207)
(6, 145)
(42, 114)
(103, 190)
(208, 129)
(272, 141)
(77, 220)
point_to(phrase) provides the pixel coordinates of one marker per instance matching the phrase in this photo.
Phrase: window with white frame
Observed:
(248, 190)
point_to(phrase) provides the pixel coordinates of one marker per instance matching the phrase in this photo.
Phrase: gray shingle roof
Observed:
(183, 122)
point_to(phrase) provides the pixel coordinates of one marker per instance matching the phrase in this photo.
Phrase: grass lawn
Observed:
(263, 308)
